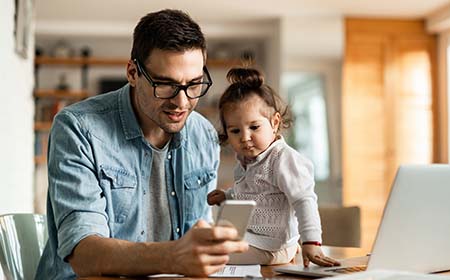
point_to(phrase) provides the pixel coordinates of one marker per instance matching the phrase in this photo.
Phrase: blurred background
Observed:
(366, 81)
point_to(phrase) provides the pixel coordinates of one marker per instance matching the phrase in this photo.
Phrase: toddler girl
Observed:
(270, 172)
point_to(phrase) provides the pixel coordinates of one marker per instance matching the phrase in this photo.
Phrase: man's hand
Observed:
(314, 254)
(204, 249)
(216, 197)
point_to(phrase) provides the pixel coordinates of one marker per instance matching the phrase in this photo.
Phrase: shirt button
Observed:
(172, 193)
(169, 156)
(142, 232)
(199, 181)
(178, 229)
(145, 192)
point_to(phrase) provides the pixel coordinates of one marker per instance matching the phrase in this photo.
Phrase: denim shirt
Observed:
(99, 167)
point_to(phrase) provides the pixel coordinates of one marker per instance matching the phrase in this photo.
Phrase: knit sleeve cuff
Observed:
(311, 235)
(230, 194)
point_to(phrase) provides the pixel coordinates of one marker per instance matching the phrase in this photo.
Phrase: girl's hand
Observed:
(216, 197)
(314, 254)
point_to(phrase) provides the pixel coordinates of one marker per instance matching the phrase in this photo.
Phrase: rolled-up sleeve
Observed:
(75, 194)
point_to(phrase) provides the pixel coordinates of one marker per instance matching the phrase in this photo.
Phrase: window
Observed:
(309, 132)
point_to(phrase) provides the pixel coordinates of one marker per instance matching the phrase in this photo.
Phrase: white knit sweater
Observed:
(281, 181)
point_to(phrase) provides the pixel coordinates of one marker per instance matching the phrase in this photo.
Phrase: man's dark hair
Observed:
(170, 30)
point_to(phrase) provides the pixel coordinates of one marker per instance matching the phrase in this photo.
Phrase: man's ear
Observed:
(276, 121)
(132, 73)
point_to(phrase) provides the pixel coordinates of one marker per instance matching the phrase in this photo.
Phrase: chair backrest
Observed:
(341, 226)
(22, 241)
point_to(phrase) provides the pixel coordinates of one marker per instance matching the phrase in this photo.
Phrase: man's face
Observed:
(167, 66)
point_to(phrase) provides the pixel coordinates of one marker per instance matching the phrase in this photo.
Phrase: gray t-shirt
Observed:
(159, 224)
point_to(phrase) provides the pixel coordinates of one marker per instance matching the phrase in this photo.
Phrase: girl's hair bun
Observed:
(246, 82)
(245, 77)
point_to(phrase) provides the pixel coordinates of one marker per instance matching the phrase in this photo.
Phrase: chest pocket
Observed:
(196, 188)
(119, 187)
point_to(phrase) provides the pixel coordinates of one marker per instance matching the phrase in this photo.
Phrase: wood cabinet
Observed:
(48, 101)
(388, 110)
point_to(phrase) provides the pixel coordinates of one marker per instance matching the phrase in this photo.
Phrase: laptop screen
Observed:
(414, 233)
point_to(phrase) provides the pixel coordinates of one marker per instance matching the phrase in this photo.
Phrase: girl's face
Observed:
(251, 126)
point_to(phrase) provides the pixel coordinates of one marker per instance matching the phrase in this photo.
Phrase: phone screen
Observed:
(236, 213)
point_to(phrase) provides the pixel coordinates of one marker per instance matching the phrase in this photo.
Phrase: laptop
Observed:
(414, 233)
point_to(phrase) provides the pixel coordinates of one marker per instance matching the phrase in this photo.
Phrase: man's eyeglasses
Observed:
(167, 90)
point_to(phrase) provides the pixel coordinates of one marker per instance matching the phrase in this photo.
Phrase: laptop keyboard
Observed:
(349, 269)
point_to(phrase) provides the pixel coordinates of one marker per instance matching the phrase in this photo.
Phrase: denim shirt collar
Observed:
(130, 124)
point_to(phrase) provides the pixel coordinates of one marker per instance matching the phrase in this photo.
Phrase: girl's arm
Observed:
(295, 177)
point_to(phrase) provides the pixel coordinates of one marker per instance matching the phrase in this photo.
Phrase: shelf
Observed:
(61, 94)
(42, 126)
(80, 61)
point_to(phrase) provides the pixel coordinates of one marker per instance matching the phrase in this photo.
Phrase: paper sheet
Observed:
(227, 271)
(239, 271)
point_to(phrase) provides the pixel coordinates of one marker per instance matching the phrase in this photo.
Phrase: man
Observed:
(129, 170)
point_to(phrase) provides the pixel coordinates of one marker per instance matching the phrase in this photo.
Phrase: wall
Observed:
(16, 119)
(314, 37)
(300, 53)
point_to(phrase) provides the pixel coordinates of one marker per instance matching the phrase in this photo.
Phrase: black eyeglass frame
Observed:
(178, 87)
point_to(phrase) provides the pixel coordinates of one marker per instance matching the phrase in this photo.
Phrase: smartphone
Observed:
(235, 213)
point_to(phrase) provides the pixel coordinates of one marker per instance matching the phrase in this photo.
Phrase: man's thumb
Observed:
(202, 224)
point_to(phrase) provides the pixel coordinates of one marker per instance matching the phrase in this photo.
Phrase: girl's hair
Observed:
(246, 82)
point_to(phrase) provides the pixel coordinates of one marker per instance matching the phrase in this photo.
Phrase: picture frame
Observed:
(22, 26)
